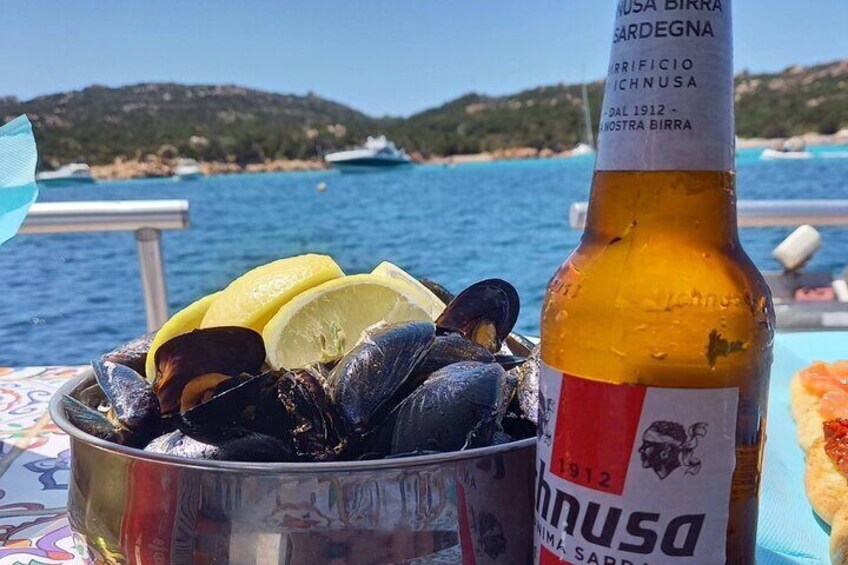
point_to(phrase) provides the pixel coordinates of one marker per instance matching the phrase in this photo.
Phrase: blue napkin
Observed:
(18, 190)
(789, 532)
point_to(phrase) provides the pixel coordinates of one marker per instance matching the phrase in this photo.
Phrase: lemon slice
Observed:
(184, 321)
(324, 323)
(253, 298)
(434, 306)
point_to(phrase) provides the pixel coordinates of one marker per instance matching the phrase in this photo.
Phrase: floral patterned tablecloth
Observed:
(34, 470)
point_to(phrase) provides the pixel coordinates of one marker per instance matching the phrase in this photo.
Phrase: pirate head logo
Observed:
(667, 446)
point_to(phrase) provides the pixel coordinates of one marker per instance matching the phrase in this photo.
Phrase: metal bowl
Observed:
(130, 506)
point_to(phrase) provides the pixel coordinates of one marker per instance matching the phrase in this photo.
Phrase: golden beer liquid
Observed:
(660, 293)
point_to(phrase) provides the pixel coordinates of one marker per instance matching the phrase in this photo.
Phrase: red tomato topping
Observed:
(836, 443)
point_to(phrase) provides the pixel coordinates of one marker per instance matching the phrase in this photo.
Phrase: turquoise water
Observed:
(67, 298)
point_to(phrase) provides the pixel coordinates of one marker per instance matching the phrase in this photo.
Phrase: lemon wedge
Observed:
(184, 321)
(324, 323)
(434, 306)
(253, 298)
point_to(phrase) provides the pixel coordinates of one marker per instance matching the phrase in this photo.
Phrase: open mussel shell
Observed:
(314, 425)
(450, 348)
(230, 444)
(90, 420)
(370, 380)
(223, 350)
(456, 408)
(485, 313)
(133, 402)
(223, 403)
(133, 354)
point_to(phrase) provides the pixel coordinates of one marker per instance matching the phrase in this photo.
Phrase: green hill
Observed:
(230, 123)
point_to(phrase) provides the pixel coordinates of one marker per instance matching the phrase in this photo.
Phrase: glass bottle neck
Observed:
(686, 207)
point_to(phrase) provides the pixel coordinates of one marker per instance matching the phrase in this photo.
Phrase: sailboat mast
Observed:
(587, 117)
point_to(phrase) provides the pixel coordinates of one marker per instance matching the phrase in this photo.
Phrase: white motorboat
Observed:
(792, 149)
(775, 154)
(72, 173)
(378, 154)
(187, 169)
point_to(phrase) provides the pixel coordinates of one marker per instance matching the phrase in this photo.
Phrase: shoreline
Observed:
(153, 166)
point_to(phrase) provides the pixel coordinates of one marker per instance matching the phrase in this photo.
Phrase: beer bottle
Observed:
(657, 331)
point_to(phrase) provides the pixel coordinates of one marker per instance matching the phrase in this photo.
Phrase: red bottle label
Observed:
(629, 474)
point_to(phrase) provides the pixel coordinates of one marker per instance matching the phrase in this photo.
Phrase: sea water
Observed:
(67, 298)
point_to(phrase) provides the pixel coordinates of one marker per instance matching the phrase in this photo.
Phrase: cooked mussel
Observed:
(314, 425)
(229, 444)
(133, 354)
(485, 313)
(370, 380)
(128, 412)
(450, 348)
(527, 392)
(456, 408)
(91, 421)
(221, 351)
(214, 400)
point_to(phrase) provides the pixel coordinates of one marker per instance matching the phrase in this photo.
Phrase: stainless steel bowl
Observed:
(130, 506)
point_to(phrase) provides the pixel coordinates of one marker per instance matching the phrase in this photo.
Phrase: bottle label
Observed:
(668, 104)
(630, 474)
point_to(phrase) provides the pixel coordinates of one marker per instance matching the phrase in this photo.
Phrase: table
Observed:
(34, 470)
(34, 466)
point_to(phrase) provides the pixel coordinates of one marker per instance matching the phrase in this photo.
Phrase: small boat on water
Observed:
(187, 169)
(378, 154)
(585, 148)
(792, 150)
(70, 174)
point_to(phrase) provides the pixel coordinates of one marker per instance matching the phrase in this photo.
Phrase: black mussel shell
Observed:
(528, 385)
(367, 381)
(225, 350)
(456, 408)
(133, 354)
(93, 397)
(230, 398)
(501, 438)
(485, 312)
(517, 426)
(519, 345)
(440, 291)
(133, 402)
(231, 444)
(509, 361)
(447, 350)
(509, 387)
(90, 420)
(315, 426)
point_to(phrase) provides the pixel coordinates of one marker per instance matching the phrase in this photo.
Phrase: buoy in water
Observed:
(321, 186)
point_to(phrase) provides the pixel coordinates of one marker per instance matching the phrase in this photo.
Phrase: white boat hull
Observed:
(775, 155)
(354, 167)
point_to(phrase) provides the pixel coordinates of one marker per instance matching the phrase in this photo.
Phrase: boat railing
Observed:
(146, 218)
(764, 213)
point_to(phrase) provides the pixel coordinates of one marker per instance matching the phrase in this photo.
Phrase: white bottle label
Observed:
(668, 104)
(633, 474)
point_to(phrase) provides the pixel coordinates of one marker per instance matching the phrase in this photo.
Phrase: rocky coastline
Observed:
(158, 165)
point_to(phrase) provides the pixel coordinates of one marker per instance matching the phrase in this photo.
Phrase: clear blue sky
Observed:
(380, 56)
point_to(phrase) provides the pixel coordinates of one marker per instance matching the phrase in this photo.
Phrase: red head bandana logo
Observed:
(667, 446)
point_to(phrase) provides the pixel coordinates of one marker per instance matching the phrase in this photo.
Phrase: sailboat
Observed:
(586, 148)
